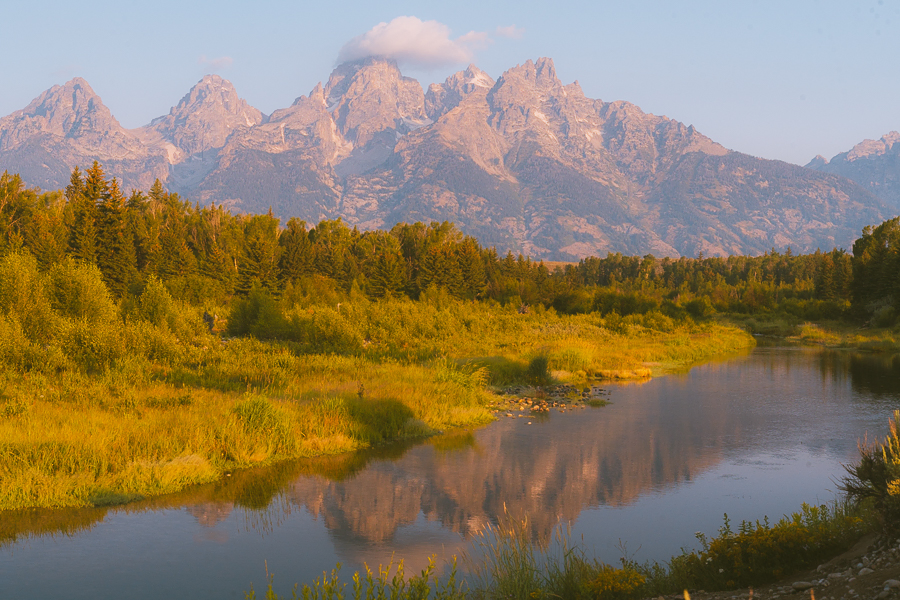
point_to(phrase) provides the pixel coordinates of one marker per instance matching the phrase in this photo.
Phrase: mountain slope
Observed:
(523, 162)
(69, 125)
(873, 164)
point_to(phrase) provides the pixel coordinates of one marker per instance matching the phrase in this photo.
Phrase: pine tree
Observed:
(259, 264)
(115, 254)
(388, 276)
(83, 233)
(296, 251)
(471, 267)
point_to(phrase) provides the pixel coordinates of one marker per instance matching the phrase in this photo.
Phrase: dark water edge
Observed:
(753, 435)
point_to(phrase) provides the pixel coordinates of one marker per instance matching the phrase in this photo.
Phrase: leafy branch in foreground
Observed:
(876, 478)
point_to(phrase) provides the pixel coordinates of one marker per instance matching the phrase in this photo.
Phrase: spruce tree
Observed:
(259, 264)
(388, 276)
(83, 233)
(296, 251)
(115, 254)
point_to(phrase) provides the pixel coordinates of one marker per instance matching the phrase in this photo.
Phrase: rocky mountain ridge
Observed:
(873, 164)
(522, 162)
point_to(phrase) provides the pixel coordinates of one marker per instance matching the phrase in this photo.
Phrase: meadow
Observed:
(105, 401)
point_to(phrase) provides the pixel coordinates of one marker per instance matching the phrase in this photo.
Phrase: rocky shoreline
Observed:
(868, 571)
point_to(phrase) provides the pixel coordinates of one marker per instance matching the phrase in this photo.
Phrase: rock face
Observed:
(524, 163)
(873, 164)
(67, 126)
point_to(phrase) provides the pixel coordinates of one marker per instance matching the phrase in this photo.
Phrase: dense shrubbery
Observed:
(760, 553)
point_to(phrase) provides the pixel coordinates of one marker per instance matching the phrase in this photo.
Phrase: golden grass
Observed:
(171, 406)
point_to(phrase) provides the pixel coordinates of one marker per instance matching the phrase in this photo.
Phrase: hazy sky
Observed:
(784, 79)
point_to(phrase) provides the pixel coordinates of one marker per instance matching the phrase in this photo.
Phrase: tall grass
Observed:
(507, 562)
(103, 402)
(759, 552)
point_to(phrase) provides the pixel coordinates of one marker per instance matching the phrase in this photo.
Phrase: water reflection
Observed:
(753, 435)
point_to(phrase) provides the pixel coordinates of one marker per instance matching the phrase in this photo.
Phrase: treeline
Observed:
(207, 255)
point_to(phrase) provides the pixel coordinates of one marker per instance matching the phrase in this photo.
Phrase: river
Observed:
(753, 435)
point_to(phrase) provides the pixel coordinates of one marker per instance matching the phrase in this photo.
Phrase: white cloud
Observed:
(214, 64)
(511, 31)
(413, 42)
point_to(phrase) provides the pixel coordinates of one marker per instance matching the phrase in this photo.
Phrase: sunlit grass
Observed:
(103, 403)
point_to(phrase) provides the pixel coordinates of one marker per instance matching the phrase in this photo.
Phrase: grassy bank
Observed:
(507, 563)
(104, 402)
(828, 333)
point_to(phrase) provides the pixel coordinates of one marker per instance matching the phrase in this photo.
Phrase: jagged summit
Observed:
(524, 162)
(444, 97)
(71, 110)
(873, 164)
(202, 120)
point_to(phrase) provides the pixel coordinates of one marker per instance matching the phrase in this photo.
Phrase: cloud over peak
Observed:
(411, 41)
(215, 64)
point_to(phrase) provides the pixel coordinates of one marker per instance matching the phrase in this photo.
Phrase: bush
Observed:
(92, 346)
(23, 296)
(78, 292)
(759, 553)
(876, 478)
(699, 308)
(258, 315)
(538, 372)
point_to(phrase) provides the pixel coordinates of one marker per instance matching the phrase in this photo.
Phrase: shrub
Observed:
(759, 553)
(258, 315)
(876, 477)
(92, 346)
(699, 308)
(538, 371)
(23, 295)
(78, 292)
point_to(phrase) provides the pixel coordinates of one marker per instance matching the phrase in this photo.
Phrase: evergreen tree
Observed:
(297, 257)
(471, 266)
(388, 277)
(115, 254)
(258, 266)
(172, 257)
(83, 232)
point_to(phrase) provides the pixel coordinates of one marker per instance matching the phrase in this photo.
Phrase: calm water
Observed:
(752, 436)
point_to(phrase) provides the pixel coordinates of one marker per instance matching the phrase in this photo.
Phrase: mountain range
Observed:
(873, 164)
(524, 163)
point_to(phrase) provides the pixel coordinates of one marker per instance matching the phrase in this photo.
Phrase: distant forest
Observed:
(208, 256)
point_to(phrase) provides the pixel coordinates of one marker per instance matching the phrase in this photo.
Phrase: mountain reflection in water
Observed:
(753, 435)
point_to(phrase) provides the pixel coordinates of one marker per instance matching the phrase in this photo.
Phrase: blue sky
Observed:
(777, 79)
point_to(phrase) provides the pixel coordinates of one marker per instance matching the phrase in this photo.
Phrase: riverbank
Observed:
(870, 570)
(117, 409)
(829, 334)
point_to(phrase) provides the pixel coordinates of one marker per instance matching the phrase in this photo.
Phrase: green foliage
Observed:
(387, 582)
(115, 252)
(876, 478)
(78, 291)
(258, 315)
(758, 553)
(876, 268)
(538, 372)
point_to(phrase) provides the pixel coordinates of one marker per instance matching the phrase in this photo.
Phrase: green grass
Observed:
(104, 402)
